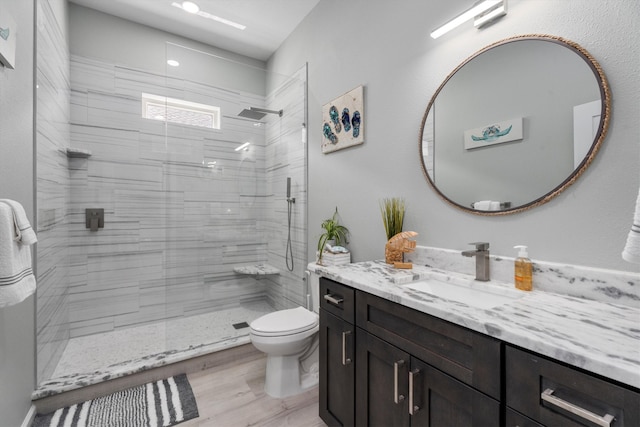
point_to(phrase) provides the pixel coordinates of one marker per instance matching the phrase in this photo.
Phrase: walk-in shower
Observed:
(193, 246)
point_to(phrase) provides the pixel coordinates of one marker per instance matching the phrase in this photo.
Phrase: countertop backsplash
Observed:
(619, 287)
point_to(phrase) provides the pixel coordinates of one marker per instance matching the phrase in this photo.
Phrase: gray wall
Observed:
(401, 67)
(17, 351)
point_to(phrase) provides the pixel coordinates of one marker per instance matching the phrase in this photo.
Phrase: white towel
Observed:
(494, 206)
(24, 232)
(482, 205)
(17, 281)
(486, 205)
(631, 250)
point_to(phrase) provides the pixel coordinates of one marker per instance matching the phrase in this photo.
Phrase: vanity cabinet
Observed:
(466, 355)
(541, 390)
(394, 388)
(337, 355)
(385, 364)
(413, 369)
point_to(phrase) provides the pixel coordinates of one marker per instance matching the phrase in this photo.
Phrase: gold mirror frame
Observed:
(600, 135)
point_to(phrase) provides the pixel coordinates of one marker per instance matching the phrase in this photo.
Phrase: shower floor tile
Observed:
(91, 359)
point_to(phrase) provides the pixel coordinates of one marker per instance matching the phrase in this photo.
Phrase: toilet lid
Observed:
(285, 322)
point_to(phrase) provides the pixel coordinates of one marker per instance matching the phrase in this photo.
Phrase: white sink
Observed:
(467, 291)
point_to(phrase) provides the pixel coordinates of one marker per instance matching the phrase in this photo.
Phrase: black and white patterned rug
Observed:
(162, 403)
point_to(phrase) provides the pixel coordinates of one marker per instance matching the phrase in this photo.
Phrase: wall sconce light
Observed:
(483, 12)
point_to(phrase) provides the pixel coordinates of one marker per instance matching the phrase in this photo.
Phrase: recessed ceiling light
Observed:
(173, 62)
(191, 7)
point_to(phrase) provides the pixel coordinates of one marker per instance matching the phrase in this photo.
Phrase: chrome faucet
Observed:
(481, 252)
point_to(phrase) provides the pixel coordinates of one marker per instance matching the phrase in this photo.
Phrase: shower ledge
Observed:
(78, 153)
(257, 270)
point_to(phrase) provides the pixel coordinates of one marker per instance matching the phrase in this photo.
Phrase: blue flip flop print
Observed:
(355, 122)
(328, 133)
(333, 115)
(346, 120)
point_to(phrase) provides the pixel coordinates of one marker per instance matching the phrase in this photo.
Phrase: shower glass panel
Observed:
(234, 134)
(109, 308)
(195, 228)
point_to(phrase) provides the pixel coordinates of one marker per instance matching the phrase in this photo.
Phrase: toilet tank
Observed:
(313, 291)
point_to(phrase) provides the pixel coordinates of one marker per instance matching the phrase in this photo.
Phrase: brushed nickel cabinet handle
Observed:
(413, 408)
(333, 300)
(397, 398)
(596, 419)
(345, 360)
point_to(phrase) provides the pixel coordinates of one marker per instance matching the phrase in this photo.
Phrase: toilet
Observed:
(290, 340)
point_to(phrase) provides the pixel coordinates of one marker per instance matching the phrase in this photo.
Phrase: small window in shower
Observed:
(173, 110)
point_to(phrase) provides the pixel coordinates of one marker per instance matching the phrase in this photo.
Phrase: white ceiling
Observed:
(269, 22)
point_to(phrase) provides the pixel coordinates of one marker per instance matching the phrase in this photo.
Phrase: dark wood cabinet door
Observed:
(439, 400)
(381, 383)
(337, 370)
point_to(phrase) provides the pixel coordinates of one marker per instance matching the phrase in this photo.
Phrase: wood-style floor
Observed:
(232, 395)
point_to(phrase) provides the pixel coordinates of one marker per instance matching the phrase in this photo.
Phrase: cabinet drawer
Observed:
(466, 355)
(554, 394)
(337, 299)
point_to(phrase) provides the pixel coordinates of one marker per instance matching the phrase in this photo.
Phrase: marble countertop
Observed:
(600, 337)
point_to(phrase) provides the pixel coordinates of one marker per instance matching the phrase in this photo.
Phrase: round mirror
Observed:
(514, 125)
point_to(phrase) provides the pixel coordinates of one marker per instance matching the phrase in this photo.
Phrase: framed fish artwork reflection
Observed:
(495, 133)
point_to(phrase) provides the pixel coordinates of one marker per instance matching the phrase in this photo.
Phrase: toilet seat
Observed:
(284, 322)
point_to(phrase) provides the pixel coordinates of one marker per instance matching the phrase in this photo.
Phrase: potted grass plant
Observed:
(334, 234)
(392, 210)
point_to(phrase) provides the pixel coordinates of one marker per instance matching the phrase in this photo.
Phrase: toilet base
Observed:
(283, 377)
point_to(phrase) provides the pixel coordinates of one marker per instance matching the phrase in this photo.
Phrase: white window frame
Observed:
(193, 107)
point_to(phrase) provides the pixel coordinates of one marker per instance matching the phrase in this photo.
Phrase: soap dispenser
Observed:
(523, 269)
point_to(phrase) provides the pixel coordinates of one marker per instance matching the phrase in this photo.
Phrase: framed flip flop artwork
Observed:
(7, 39)
(343, 121)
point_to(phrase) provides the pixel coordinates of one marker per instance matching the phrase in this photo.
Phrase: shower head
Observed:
(255, 113)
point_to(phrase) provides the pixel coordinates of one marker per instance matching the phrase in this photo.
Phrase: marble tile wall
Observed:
(52, 189)
(174, 228)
